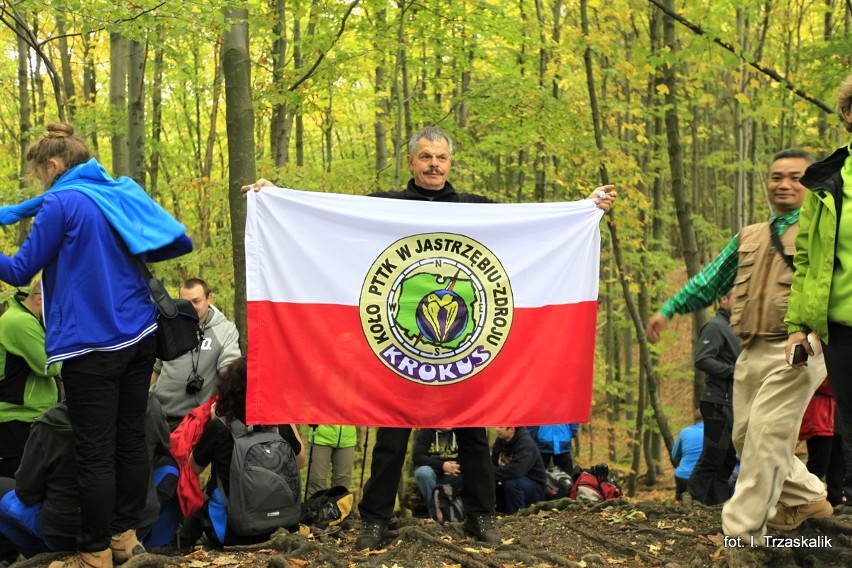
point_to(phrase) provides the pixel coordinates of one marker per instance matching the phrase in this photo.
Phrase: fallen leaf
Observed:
(225, 560)
(297, 562)
(198, 564)
(664, 525)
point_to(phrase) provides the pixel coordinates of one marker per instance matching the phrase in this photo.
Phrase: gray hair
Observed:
(431, 133)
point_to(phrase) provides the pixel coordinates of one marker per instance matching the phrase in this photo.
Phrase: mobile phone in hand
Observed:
(797, 355)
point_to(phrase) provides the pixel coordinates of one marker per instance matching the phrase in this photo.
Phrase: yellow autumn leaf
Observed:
(663, 89)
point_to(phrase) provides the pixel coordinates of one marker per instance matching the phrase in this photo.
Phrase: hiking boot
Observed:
(100, 559)
(789, 518)
(370, 536)
(482, 527)
(125, 546)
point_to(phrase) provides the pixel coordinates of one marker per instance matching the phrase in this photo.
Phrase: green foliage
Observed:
(506, 79)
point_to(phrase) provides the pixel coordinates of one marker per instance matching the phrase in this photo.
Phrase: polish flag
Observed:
(386, 312)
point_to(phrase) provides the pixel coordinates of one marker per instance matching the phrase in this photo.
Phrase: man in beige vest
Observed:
(774, 488)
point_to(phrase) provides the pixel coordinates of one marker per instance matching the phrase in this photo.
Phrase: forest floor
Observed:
(646, 530)
(622, 532)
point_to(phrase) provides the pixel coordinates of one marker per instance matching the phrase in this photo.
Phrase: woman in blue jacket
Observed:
(554, 443)
(100, 322)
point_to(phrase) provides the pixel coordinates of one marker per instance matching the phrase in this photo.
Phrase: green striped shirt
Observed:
(715, 279)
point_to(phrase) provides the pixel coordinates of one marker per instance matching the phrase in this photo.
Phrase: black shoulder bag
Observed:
(776, 242)
(178, 328)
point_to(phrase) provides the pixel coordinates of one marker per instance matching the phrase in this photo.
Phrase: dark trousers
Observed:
(107, 394)
(386, 471)
(825, 459)
(564, 461)
(838, 361)
(518, 493)
(708, 482)
(680, 487)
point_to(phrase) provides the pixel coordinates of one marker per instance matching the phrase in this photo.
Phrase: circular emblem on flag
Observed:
(436, 308)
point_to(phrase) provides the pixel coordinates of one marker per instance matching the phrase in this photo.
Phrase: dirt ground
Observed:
(620, 532)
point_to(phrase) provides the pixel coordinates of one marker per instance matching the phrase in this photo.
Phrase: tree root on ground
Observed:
(295, 545)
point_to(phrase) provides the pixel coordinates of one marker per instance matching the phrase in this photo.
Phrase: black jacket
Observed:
(716, 354)
(48, 471)
(433, 447)
(519, 457)
(448, 194)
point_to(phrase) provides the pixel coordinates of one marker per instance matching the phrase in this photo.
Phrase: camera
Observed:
(194, 383)
(601, 471)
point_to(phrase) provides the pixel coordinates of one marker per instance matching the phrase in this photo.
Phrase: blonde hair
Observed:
(58, 141)
(844, 101)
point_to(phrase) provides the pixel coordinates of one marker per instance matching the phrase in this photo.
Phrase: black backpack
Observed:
(265, 482)
(448, 504)
(327, 507)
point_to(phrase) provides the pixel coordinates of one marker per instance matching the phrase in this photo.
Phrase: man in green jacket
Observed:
(774, 488)
(331, 446)
(27, 385)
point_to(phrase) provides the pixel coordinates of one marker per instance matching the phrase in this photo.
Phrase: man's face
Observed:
(785, 192)
(200, 302)
(505, 433)
(430, 164)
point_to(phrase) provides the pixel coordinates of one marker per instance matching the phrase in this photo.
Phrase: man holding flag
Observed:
(430, 160)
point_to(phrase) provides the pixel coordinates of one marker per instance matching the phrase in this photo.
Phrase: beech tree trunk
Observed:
(239, 118)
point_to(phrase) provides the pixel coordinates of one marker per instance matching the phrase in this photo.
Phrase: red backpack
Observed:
(591, 489)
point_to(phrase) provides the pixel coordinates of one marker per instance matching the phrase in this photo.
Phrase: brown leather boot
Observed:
(100, 559)
(125, 546)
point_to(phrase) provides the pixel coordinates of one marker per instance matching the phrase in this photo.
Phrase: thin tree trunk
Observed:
(90, 85)
(683, 208)
(136, 112)
(118, 63)
(239, 118)
(397, 93)
(65, 66)
(282, 122)
(156, 121)
(24, 119)
(382, 111)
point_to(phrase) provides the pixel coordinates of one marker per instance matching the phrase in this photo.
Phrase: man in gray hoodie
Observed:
(188, 381)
